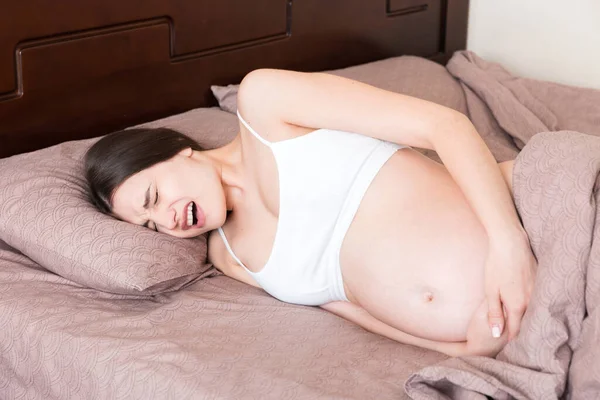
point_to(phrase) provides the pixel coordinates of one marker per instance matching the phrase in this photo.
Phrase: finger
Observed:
(495, 315)
(515, 315)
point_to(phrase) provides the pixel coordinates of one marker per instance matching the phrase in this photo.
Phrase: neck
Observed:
(228, 161)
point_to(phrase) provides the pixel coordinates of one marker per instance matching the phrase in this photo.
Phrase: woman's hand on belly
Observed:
(479, 340)
(509, 275)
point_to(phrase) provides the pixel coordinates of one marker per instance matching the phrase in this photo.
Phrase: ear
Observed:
(187, 152)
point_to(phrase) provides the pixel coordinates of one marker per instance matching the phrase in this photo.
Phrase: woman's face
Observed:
(182, 197)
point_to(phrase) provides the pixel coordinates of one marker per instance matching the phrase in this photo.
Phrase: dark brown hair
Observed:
(119, 155)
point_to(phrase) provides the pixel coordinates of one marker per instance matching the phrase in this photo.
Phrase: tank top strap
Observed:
(230, 250)
(252, 131)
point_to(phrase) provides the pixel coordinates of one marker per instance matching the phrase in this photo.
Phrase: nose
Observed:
(165, 218)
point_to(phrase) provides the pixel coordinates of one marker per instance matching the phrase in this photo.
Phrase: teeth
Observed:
(190, 217)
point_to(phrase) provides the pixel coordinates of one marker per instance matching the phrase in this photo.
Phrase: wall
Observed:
(555, 40)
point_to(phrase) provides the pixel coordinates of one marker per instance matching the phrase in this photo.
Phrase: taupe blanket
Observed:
(508, 110)
(555, 182)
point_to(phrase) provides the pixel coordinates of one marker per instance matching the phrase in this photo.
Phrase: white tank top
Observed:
(323, 177)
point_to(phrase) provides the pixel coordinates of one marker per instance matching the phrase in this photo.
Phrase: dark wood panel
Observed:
(199, 24)
(77, 59)
(399, 7)
(73, 69)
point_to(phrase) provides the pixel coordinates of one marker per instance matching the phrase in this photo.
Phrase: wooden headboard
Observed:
(74, 69)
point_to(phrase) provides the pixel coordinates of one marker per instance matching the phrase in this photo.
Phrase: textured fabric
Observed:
(211, 127)
(508, 110)
(318, 198)
(215, 339)
(45, 214)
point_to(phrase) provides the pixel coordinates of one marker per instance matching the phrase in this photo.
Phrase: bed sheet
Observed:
(215, 339)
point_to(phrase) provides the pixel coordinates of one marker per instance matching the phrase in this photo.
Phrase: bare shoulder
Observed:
(222, 260)
(264, 84)
(257, 100)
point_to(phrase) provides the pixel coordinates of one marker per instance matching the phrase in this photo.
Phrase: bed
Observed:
(75, 70)
(94, 309)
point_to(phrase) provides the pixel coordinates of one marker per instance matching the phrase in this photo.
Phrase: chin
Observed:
(185, 234)
(193, 234)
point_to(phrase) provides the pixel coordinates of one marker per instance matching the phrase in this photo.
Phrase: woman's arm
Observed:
(318, 100)
(361, 317)
(478, 342)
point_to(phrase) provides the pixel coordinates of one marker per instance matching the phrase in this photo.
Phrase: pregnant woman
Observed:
(320, 200)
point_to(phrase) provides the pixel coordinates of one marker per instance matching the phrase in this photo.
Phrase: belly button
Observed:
(428, 297)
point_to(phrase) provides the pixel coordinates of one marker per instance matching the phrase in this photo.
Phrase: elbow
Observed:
(451, 125)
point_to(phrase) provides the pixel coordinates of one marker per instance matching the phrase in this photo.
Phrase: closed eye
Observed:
(147, 224)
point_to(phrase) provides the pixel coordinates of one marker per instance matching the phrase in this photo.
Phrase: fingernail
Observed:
(495, 331)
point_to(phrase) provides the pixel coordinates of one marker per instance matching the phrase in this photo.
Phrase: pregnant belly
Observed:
(415, 252)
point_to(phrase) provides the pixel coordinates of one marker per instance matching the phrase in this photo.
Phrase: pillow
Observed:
(211, 127)
(45, 214)
(414, 76)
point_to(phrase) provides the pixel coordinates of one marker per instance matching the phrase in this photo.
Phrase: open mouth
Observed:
(192, 210)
